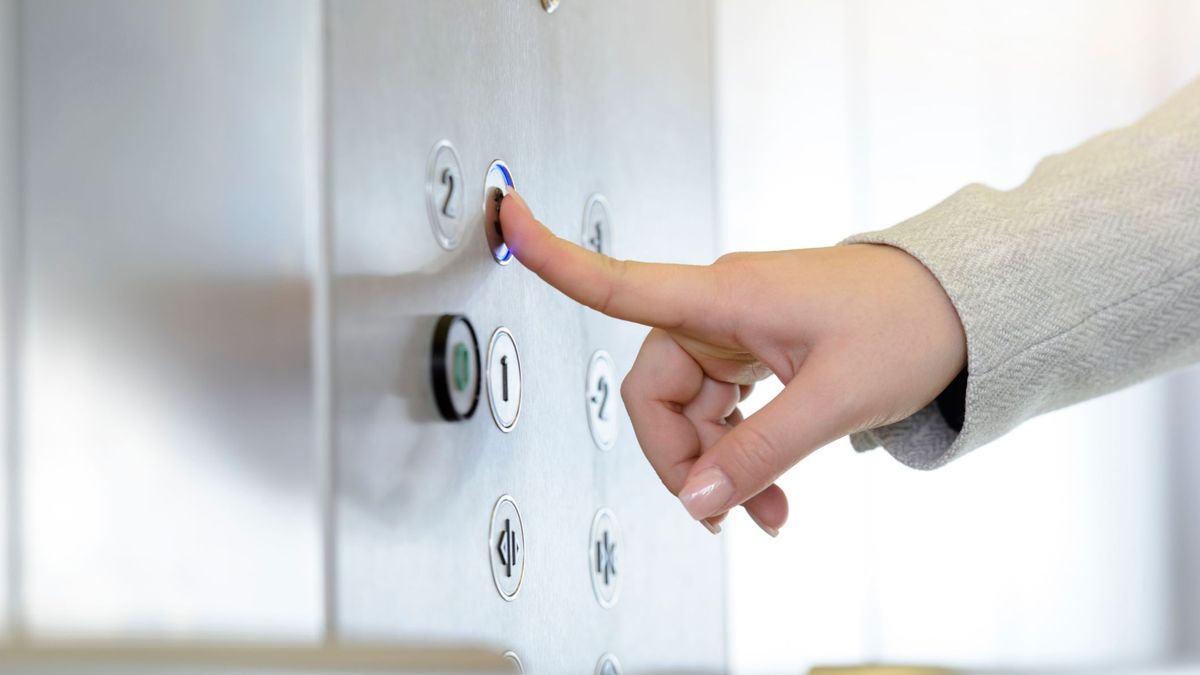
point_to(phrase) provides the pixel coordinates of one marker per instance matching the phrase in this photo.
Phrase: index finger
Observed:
(652, 294)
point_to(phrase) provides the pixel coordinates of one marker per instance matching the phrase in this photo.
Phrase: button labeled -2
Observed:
(600, 395)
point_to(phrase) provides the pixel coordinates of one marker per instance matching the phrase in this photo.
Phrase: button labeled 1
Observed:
(600, 394)
(603, 559)
(506, 546)
(495, 186)
(504, 379)
(454, 366)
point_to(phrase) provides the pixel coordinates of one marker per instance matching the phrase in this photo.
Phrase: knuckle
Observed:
(754, 456)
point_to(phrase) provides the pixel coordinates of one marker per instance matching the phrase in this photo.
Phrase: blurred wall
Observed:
(1065, 543)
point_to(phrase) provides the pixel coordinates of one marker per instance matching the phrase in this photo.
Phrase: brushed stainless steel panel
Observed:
(170, 206)
(611, 97)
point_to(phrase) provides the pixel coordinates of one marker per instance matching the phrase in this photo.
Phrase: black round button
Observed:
(454, 366)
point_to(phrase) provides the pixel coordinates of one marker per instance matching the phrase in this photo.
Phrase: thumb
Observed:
(807, 414)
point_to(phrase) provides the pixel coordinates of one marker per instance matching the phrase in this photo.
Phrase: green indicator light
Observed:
(462, 366)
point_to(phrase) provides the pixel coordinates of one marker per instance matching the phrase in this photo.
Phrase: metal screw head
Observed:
(550, 5)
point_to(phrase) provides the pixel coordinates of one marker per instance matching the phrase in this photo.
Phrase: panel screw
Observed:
(550, 5)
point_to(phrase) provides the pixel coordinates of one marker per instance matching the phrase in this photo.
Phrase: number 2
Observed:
(448, 209)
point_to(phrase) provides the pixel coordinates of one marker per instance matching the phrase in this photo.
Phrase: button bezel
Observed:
(498, 177)
(493, 540)
(602, 515)
(441, 371)
(444, 239)
(492, 403)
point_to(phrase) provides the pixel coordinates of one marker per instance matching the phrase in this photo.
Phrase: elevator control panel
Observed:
(490, 489)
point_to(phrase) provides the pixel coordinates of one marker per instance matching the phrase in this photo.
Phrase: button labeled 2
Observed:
(600, 395)
(504, 379)
(444, 194)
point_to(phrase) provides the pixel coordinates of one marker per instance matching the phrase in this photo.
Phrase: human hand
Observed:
(860, 336)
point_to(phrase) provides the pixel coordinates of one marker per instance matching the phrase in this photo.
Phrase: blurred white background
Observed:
(1071, 542)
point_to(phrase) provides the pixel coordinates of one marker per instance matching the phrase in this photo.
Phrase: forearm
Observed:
(1083, 280)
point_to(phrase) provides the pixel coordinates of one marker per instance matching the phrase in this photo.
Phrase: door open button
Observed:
(504, 379)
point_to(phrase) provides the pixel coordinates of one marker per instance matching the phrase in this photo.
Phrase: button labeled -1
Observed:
(504, 379)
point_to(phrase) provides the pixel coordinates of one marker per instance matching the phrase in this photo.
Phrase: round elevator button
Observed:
(515, 661)
(604, 558)
(506, 547)
(454, 367)
(597, 225)
(600, 395)
(504, 379)
(495, 186)
(608, 665)
(444, 194)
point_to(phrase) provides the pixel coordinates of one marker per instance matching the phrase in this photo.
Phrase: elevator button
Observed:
(597, 225)
(506, 546)
(608, 665)
(444, 194)
(604, 558)
(495, 186)
(504, 379)
(600, 395)
(454, 366)
(516, 661)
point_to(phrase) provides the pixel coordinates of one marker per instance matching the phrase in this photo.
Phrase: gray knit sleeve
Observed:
(1083, 280)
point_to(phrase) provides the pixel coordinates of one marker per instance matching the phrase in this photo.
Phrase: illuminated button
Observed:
(608, 665)
(495, 186)
(604, 558)
(504, 379)
(600, 394)
(455, 367)
(597, 225)
(444, 194)
(507, 547)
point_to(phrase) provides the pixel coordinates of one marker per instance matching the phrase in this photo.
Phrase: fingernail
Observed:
(711, 527)
(706, 493)
(774, 532)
